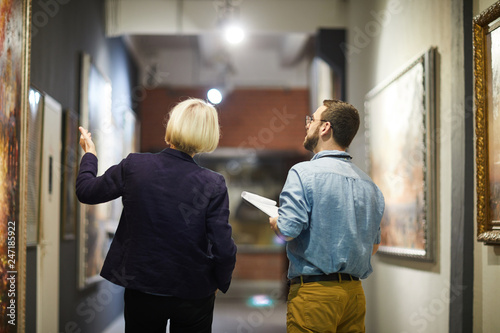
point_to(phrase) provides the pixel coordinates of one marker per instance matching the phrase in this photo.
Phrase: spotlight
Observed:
(234, 34)
(214, 96)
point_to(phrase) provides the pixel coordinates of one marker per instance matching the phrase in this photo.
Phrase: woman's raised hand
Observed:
(86, 142)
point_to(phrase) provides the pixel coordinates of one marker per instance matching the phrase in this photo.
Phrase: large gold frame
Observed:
(17, 263)
(485, 228)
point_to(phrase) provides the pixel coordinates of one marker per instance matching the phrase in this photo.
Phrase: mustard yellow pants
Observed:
(326, 307)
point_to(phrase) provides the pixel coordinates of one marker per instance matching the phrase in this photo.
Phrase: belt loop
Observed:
(301, 281)
(351, 277)
(340, 277)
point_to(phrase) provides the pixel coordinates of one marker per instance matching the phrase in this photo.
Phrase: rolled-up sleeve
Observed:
(91, 189)
(293, 211)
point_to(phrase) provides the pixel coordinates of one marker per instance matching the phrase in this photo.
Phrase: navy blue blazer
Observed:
(173, 237)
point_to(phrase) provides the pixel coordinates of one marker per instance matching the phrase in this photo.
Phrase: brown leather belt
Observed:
(324, 277)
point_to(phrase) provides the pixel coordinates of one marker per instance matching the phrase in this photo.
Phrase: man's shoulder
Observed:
(302, 167)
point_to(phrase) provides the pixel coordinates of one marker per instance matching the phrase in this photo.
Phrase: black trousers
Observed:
(151, 313)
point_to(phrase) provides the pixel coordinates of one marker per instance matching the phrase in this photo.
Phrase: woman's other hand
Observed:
(86, 142)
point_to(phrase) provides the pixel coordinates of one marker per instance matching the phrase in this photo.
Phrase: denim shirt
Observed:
(333, 210)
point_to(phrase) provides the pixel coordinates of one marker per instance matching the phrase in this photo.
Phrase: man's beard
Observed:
(310, 142)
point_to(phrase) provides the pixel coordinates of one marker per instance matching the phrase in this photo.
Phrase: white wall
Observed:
(405, 295)
(480, 5)
(486, 264)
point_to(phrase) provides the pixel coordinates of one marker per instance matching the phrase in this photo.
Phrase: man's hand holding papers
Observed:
(266, 205)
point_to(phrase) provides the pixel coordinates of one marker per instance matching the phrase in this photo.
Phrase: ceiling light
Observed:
(234, 34)
(214, 96)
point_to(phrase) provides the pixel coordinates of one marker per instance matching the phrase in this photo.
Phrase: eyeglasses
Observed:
(310, 119)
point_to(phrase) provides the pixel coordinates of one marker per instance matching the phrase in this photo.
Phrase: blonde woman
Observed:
(173, 249)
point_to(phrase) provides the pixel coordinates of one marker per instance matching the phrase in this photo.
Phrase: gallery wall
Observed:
(406, 295)
(62, 30)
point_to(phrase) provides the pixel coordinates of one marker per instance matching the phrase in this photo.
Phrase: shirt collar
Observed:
(179, 154)
(332, 153)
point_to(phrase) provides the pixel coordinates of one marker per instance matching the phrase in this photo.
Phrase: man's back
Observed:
(333, 210)
(330, 213)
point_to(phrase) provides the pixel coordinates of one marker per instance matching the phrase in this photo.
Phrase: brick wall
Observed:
(250, 118)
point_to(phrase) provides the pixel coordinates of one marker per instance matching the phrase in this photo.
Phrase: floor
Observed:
(248, 307)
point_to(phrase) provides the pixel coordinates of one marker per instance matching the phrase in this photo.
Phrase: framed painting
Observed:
(487, 118)
(69, 172)
(14, 78)
(97, 221)
(400, 122)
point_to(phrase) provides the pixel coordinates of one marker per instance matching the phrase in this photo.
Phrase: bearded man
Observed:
(330, 213)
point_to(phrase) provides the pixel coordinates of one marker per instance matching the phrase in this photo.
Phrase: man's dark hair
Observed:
(344, 120)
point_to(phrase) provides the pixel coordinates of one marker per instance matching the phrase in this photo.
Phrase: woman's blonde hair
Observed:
(193, 127)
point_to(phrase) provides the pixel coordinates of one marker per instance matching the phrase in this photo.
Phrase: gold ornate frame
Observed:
(15, 85)
(486, 230)
(18, 71)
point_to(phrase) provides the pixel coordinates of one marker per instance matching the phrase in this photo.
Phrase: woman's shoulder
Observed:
(139, 157)
(212, 174)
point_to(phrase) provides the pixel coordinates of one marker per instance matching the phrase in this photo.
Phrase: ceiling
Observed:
(180, 43)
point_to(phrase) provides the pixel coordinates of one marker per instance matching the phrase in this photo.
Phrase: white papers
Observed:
(266, 205)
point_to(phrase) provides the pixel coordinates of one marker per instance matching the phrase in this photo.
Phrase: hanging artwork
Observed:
(14, 65)
(96, 115)
(114, 132)
(400, 121)
(487, 113)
